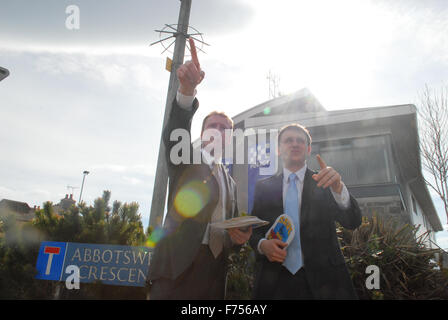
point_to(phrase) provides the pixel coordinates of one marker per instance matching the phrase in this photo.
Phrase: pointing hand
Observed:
(190, 73)
(328, 177)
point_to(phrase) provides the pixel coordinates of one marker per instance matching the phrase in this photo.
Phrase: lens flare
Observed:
(191, 198)
(267, 110)
(154, 237)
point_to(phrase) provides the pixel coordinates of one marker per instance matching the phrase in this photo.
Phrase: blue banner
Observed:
(108, 264)
(259, 157)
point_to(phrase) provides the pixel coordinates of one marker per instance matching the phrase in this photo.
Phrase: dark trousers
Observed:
(203, 280)
(292, 286)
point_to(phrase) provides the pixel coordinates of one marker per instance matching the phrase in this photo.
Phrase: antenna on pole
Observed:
(273, 80)
(72, 188)
(165, 38)
(171, 34)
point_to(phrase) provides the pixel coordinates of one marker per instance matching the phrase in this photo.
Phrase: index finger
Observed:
(322, 163)
(194, 53)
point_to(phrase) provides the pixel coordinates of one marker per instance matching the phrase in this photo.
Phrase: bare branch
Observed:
(433, 113)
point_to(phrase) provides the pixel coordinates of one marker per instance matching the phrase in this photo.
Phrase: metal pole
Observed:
(161, 179)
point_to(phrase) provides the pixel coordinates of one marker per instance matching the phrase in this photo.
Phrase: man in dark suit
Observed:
(189, 262)
(312, 266)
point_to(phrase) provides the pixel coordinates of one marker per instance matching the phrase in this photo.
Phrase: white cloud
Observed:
(110, 167)
(60, 116)
(77, 101)
(132, 180)
(125, 71)
(7, 193)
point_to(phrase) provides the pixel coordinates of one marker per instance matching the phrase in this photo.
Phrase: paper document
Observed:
(282, 229)
(240, 222)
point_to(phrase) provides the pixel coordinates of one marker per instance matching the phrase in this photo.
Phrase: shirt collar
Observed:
(209, 159)
(300, 174)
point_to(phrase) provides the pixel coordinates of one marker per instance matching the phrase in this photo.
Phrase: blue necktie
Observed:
(293, 261)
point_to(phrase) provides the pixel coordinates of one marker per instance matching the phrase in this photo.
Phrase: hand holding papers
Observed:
(240, 228)
(240, 222)
(282, 229)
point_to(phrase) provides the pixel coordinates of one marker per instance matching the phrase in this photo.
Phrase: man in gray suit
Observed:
(189, 262)
(312, 266)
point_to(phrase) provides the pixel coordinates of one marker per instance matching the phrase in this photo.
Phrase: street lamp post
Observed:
(82, 186)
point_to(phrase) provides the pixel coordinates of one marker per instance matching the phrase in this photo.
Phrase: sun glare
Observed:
(330, 47)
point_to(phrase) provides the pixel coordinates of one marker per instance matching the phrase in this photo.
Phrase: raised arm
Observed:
(189, 75)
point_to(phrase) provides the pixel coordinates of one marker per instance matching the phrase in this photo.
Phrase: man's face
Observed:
(293, 147)
(221, 124)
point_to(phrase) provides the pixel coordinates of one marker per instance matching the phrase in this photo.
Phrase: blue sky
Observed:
(93, 99)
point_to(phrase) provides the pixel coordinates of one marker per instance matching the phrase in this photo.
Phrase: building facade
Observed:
(376, 151)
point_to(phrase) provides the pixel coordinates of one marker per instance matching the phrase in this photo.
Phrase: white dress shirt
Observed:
(208, 159)
(185, 102)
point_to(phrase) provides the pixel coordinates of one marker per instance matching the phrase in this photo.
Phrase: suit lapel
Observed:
(308, 189)
(277, 191)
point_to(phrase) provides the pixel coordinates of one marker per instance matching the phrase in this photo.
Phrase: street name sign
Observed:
(109, 264)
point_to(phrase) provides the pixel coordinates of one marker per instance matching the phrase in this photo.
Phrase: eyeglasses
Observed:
(290, 140)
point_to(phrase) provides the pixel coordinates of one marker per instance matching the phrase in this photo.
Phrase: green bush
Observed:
(240, 276)
(408, 268)
(19, 247)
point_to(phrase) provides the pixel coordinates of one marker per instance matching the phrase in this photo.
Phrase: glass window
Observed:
(359, 160)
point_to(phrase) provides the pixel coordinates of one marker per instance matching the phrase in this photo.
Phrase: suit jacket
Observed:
(193, 196)
(324, 263)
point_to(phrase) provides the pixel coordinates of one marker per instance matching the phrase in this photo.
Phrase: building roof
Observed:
(302, 100)
(15, 206)
(21, 210)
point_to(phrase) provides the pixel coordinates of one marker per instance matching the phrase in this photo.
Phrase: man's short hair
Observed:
(298, 127)
(217, 113)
